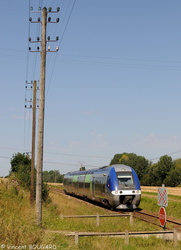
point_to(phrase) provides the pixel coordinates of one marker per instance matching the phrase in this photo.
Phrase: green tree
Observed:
(52, 176)
(177, 164)
(163, 172)
(116, 159)
(153, 176)
(23, 175)
(18, 160)
(173, 178)
(21, 170)
(165, 165)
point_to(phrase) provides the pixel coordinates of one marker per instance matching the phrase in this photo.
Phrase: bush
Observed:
(21, 171)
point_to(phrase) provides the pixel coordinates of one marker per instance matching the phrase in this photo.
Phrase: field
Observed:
(18, 227)
(171, 190)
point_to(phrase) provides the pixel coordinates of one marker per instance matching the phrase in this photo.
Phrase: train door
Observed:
(93, 188)
(77, 185)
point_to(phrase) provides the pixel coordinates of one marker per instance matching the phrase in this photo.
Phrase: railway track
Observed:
(153, 218)
(143, 215)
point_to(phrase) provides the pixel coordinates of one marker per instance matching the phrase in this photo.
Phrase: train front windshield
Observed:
(125, 178)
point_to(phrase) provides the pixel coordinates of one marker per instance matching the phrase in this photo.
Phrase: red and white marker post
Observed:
(163, 202)
(162, 217)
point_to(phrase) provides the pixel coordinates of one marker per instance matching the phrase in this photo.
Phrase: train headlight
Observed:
(121, 192)
(116, 192)
(133, 191)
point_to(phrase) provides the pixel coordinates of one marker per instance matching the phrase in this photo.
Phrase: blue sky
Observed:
(113, 87)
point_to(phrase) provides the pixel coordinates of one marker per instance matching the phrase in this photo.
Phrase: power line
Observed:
(61, 39)
(5, 157)
(122, 63)
(57, 163)
(175, 152)
(81, 155)
(74, 155)
(27, 69)
(68, 164)
(66, 154)
(102, 60)
(122, 59)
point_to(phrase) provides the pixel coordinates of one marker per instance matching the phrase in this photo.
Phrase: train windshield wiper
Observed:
(125, 184)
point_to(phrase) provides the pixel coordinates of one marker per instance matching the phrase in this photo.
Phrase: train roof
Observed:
(117, 167)
(122, 167)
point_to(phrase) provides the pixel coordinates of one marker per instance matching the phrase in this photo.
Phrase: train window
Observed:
(125, 178)
(100, 183)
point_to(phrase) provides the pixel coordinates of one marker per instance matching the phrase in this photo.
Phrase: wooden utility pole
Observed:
(41, 120)
(32, 189)
(43, 52)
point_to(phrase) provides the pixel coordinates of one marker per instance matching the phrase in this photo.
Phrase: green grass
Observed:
(155, 194)
(70, 206)
(106, 243)
(18, 227)
(173, 209)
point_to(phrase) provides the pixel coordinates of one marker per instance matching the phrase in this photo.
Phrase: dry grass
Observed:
(18, 228)
(171, 190)
(17, 217)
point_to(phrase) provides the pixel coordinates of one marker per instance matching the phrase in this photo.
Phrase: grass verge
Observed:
(18, 227)
(150, 204)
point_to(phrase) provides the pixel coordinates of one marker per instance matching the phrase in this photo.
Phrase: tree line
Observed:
(21, 168)
(52, 176)
(165, 171)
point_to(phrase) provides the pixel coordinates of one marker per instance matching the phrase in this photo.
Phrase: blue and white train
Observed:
(116, 186)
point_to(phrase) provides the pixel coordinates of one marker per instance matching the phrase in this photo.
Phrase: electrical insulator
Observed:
(30, 19)
(29, 39)
(38, 39)
(48, 38)
(57, 38)
(49, 9)
(49, 19)
(58, 9)
(57, 20)
(29, 48)
(38, 19)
